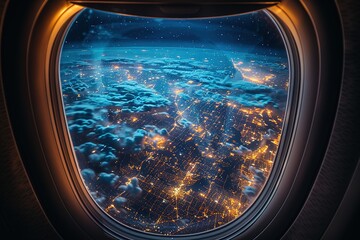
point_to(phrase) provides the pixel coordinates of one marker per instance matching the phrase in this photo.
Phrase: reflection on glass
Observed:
(175, 123)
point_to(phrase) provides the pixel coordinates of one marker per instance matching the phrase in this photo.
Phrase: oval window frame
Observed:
(238, 225)
(59, 196)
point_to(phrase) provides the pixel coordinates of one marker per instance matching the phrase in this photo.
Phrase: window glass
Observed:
(175, 123)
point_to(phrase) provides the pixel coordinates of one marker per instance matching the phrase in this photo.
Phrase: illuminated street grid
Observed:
(199, 159)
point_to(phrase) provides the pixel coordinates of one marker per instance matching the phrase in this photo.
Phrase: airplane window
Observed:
(175, 123)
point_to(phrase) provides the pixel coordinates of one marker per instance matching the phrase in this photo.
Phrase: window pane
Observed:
(175, 123)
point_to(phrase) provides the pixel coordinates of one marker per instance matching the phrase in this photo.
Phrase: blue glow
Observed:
(175, 123)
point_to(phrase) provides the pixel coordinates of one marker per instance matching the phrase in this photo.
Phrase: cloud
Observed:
(184, 222)
(249, 191)
(270, 134)
(116, 138)
(163, 132)
(98, 197)
(139, 136)
(86, 148)
(83, 122)
(105, 166)
(132, 188)
(119, 202)
(252, 100)
(184, 96)
(245, 177)
(154, 130)
(101, 129)
(97, 155)
(78, 129)
(108, 178)
(74, 88)
(258, 178)
(132, 140)
(80, 117)
(241, 150)
(78, 114)
(213, 80)
(102, 157)
(185, 123)
(258, 175)
(165, 114)
(131, 97)
(88, 174)
(208, 96)
(110, 139)
(89, 147)
(242, 92)
(129, 142)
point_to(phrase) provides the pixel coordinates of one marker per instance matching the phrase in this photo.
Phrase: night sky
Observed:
(102, 28)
